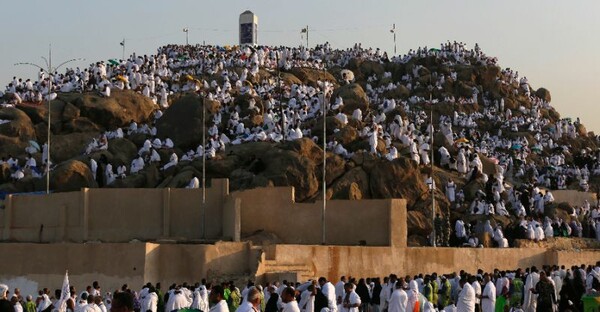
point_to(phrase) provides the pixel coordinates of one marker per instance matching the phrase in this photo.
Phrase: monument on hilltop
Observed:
(248, 28)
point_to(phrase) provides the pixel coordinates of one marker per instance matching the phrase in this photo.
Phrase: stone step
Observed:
(286, 268)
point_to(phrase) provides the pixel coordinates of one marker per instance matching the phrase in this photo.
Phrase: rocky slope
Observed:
(78, 118)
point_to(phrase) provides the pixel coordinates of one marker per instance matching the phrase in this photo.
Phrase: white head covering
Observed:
(3, 290)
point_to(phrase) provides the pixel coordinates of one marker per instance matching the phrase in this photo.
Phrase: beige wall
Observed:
(573, 197)
(347, 221)
(115, 215)
(335, 261)
(35, 266)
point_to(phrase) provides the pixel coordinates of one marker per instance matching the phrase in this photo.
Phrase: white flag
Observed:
(65, 294)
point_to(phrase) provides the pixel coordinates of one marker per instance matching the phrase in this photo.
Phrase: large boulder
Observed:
(71, 176)
(354, 97)
(288, 168)
(418, 223)
(117, 110)
(182, 122)
(316, 125)
(335, 168)
(370, 68)
(354, 184)
(311, 76)
(123, 151)
(347, 135)
(544, 94)
(66, 146)
(11, 146)
(243, 101)
(80, 124)
(399, 178)
(290, 79)
(19, 125)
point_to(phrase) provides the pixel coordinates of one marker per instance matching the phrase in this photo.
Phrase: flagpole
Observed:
(307, 36)
(123, 44)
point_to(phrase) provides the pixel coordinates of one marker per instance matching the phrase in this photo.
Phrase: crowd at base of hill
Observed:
(551, 288)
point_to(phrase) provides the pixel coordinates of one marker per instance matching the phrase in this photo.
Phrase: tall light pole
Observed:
(324, 210)
(204, 167)
(123, 45)
(49, 70)
(186, 31)
(393, 31)
(431, 176)
(305, 31)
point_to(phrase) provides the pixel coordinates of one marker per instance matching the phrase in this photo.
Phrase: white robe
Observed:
(488, 304)
(353, 299)
(530, 299)
(466, 299)
(398, 301)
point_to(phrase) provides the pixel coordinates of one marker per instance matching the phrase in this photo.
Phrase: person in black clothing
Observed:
(362, 290)
(568, 296)
(320, 301)
(375, 300)
(5, 305)
(271, 305)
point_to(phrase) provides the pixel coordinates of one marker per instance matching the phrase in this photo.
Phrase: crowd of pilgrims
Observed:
(550, 288)
(289, 108)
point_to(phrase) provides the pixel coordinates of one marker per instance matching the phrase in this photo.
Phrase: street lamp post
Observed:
(431, 176)
(123, 45)
(323, 239)
(186, 31)
(393, 31)
(204, 167)
(49, 70)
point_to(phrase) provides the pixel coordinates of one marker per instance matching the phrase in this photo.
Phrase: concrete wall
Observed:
(123, 215)
(35, 266)
(115, 215)
(335, 261)
(575, 198)
(347, 222)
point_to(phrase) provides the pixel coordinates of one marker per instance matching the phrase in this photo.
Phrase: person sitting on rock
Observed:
(154, 156)
(105, 91)
(137, 164)
(193, 184)
(173, 160)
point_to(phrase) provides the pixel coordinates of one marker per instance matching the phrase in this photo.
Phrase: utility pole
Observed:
(307, 36)
(305, 30)
(186, 31)
(123, 45)
(431, 176)
(204, 167)
(393, 31)
(325, 84)
(49, 70)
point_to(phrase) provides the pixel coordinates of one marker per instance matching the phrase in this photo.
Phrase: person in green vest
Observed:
(263, 303)
(435, 288)
(516, 290)
(160, 305)
(29, 304)
(427, 288)
(226, 291)
(235, 297)
(445, 292)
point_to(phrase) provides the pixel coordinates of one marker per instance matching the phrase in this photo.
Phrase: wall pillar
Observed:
(85, 213)
(8, 211)
(166, 212)
(398, 223)
(62, 224)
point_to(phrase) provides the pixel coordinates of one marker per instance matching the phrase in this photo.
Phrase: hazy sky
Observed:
(554, 43)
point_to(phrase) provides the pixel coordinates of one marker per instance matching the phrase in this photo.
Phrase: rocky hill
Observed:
(78, 118)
